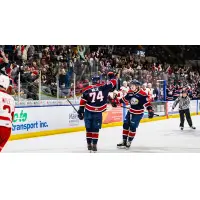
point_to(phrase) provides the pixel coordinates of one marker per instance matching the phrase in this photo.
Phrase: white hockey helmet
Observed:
(4, 81)
(125, 83)
(149, 85)
(144, 85)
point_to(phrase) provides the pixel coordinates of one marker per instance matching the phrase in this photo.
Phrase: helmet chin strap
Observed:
(136, 90)
(2, 88)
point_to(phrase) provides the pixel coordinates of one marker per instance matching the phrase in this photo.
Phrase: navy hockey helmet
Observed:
(95, 79)
(135, 82)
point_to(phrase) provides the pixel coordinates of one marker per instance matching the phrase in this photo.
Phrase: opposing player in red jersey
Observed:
(7, 108)
(151, 92)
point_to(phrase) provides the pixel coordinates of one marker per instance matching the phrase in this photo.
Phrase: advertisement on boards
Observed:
(112, 115)
(35, 119)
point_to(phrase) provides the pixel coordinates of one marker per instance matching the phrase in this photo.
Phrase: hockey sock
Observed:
(89, 137)
(131, 136)
(125, 134)
(95, 137)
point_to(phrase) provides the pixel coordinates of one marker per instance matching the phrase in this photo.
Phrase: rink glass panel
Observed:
(160, 108)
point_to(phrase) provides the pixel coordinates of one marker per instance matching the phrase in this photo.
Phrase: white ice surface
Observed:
(158, 136)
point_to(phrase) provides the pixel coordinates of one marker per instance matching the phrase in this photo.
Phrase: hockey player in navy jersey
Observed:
(93, 102)
(138, 100)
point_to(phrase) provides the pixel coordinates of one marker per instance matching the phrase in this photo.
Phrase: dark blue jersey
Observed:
(94, 97)
(138, 101)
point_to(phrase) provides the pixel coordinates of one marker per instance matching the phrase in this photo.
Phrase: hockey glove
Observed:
(111, 75)
(114, 103)
(150, 114)
(80, 114)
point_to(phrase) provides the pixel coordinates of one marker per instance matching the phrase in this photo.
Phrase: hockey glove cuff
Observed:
(150, 114)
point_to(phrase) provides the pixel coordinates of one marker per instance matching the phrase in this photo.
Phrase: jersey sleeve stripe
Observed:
(137, 112)
(147, 104)
(82, 102)
(114, 82)
(124, 100)
(5, 118)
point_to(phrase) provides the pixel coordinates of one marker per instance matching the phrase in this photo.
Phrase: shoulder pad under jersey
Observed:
(87, 88)
(142, 92)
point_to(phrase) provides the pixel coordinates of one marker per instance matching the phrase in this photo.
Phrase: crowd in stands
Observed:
(58, 68)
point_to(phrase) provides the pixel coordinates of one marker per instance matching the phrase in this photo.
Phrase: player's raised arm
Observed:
(111, 83)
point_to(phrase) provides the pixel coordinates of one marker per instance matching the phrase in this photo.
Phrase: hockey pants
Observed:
(184, 113)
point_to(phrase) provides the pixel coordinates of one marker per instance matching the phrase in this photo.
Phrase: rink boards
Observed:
(36, 120)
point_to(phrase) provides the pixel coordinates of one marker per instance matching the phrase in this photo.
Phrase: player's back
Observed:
(7, 108)
(96, 97)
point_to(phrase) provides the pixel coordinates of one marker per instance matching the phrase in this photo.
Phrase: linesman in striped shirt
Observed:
(184, 103)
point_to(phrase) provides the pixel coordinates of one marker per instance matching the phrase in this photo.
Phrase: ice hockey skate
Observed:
(128, 145)
(94, 148)
(181, 128)
(122, 145)
(89, 147)
(192, 127)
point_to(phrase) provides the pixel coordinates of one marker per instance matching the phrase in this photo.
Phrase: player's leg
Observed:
(135, 121)
(89, 138)
(126, 126)
(4, 136)
(182, 119)
(88, 126)
(96, 126)
(188, 117)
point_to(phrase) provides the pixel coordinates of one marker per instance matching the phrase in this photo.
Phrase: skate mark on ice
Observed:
(153, 149)
(133, 149)
(183, 133)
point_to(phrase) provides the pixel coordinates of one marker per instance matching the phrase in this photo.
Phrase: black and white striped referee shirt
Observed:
(184, 103)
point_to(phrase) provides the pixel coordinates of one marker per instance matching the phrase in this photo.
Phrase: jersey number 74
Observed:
(96, 96)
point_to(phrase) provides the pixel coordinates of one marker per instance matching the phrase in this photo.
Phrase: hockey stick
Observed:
(144, 112)
(72, 105)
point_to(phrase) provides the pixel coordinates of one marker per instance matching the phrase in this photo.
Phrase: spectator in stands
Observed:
(85, 61)
(3, 59)
(157, 92)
